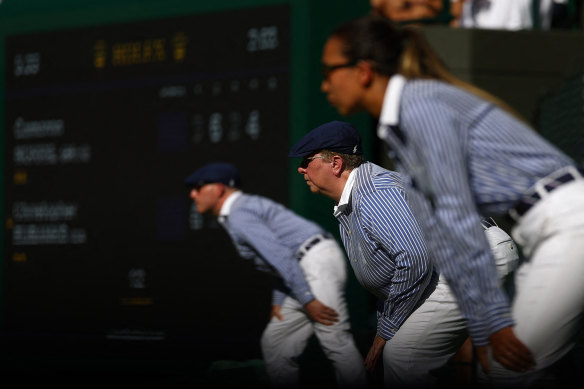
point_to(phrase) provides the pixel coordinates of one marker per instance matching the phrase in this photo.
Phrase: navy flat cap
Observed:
(222, 172)
(334, 136)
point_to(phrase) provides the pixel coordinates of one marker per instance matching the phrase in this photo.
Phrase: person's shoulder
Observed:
(258, 204)
(426, 84)
(376, 178)
(385, 177)
(244, 203)
(422, 88)
(423, 100)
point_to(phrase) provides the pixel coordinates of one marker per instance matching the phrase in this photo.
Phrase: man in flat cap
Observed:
(310, 269)
(419, 324)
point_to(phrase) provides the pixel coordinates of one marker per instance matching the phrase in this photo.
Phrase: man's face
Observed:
(206, 197)
(314, 169)
(340, 79)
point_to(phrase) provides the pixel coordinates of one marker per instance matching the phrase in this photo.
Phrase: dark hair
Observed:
(393, 49)
(390, 48)
(372, 38)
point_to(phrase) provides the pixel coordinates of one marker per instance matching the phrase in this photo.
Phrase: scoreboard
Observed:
(102, 122)
(102, 126)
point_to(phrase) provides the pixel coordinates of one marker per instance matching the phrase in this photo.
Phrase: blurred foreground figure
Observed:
(407, 10)
(484, 14)
(506, 14)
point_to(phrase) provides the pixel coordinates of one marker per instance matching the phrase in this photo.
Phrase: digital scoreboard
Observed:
(102, 126)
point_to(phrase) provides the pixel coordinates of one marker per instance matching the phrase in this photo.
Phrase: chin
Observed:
(314, 189)
(344, 111)
(351, 110)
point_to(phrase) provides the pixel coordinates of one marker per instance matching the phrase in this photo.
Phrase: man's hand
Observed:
(508, 351)
(375, 352)
(276, 312)
(483, 357)
(319, 312)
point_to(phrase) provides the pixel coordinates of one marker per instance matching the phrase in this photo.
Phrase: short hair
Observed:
(351, 161)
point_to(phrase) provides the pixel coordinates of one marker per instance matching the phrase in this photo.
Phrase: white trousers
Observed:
(282, 342)
(549, 302)
(425, 341)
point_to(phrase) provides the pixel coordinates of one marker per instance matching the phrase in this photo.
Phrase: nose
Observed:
(193, 194)
(301, 170)
(324, 86)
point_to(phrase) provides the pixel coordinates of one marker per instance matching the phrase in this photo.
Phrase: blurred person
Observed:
(462, 155)
(505, 14)
(407, 10)
(309, 268)
(484, 14)
(419, 324)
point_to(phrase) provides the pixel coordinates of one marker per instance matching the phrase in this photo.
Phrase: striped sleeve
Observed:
(391, 226)
(249, 227)
(462, 253)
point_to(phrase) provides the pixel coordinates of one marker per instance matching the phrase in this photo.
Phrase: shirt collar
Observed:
(226, 207)
(391, 101)
(346, 195)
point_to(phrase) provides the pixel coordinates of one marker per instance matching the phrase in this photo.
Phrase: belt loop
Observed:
(540, 188)
(575, 172)
(540, 185)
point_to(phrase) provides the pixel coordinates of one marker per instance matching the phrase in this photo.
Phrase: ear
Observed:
(366, 73)
(218, 189)
(338, 165)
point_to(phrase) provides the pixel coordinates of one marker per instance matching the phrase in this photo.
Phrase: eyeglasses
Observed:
(306, 160)
(328, 69)
(199, 185)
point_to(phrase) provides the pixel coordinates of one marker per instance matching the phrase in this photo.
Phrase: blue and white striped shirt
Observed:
(270, 234)
(462, 157)
(384, 244)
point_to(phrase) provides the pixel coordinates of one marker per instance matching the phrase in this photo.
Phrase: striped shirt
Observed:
(462, 158)
(384, 244)
(270, 235)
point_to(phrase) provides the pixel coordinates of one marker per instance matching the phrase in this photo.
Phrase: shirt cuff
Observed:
(304, 296)
(495, 320)
(278, 297)
(385, 327)
(499, 318)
